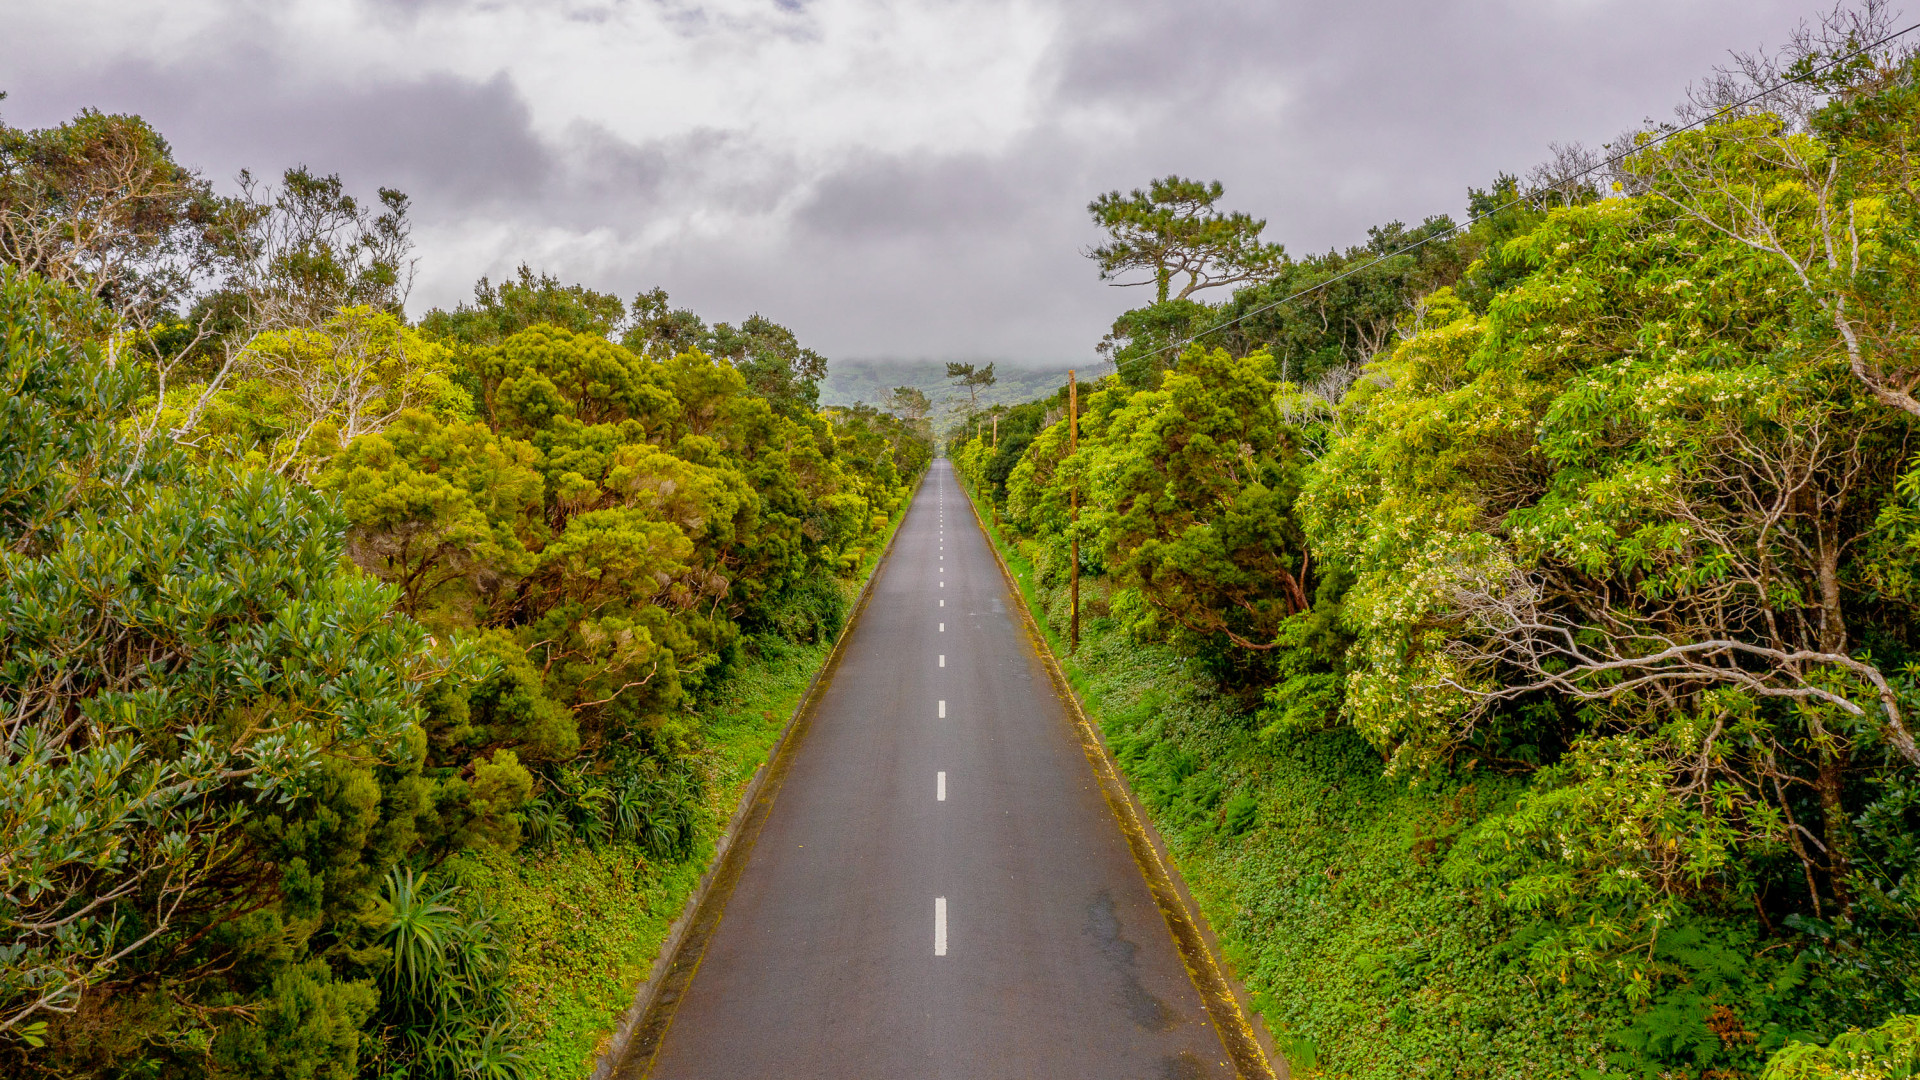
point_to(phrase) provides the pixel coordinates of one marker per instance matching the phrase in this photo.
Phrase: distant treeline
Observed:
(871, 381)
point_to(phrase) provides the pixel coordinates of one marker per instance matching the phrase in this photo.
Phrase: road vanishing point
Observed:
(937, 887)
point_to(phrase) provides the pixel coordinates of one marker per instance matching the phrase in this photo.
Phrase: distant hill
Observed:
(849, 381)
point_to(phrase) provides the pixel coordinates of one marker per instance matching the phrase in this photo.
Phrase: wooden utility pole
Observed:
(1073, 571)
(996, 445)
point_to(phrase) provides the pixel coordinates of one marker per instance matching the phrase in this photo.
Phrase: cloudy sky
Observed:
(891, 178)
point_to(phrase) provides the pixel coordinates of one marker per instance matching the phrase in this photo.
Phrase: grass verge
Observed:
(1324, 881)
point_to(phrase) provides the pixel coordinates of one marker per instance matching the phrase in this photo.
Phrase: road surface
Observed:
(939, 889)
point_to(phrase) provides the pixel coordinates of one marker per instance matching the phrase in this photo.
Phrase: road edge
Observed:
(655, 1003)
(1226, 1002)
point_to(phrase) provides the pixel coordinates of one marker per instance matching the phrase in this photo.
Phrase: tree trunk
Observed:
(1837, 826)
(1834, 758)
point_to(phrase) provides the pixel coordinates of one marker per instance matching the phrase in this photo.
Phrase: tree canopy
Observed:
(1172, 229)
(972, 378)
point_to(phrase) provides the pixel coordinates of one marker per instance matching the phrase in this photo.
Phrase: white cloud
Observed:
(887, 177)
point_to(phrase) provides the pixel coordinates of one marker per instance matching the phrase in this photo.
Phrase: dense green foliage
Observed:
(585, 921)
(306, 614)
(1323, 877)
(1510, 627)
(1592, 525)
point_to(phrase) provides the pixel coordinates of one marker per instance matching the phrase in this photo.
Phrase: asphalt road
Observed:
(939, 889)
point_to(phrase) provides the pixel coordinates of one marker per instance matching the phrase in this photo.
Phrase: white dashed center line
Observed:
(939, 926)
(943, 708)
(943, 628)
(940, 787)
(943, 659)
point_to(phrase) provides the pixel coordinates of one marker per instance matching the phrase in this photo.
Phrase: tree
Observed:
(775, 364)
(352, 376)
(295, 397)
(974, 379)
(99, 204)
(1197, 512)
(1326, 316)
(1171, 229)
(60, 410)
(1187, 494)
(1631, 496)
(1146, 341)
(660, 330)
(908, 403)
(1819, 176)
(546, 378)
(500, 311)
(194, 279)
(303, 252)
(314, 249)
(434, 503)
(134, 793)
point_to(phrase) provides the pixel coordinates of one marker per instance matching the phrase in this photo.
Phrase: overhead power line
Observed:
(1470, 222)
